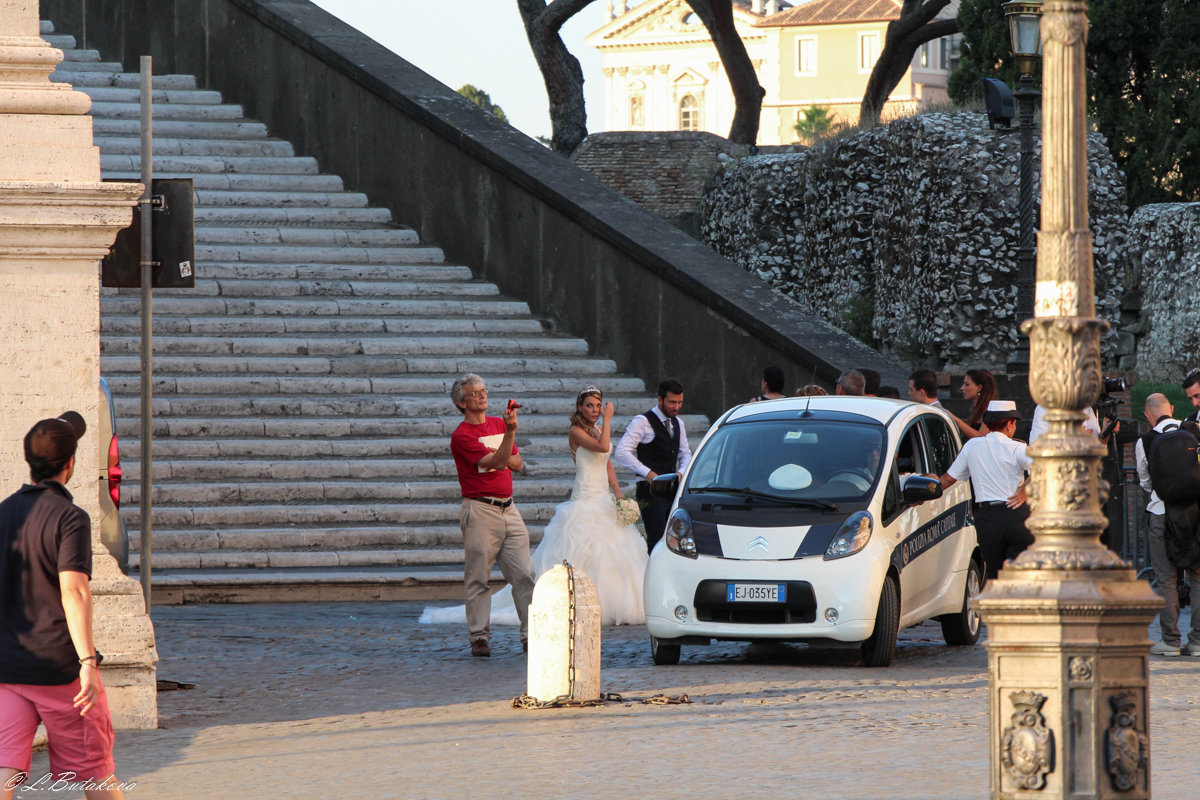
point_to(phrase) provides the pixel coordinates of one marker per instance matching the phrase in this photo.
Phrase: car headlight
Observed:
(678, 534)
(852, 536)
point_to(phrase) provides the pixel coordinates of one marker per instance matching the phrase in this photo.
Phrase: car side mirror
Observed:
(918, 489)
(665, 485)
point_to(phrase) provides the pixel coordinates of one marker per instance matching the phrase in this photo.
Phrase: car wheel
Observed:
(663, 653)
(879, 649)
(962, 629)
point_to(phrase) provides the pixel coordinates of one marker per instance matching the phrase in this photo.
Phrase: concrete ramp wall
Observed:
(641, 292)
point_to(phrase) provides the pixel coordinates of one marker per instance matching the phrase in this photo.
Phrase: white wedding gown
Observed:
(585, 532)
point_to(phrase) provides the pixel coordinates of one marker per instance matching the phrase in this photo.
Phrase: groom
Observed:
(492, 528)
(655, 444)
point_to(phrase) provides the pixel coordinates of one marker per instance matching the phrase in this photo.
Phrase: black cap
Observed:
(51, 443)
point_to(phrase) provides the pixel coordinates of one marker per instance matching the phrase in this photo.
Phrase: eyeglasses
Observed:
(477, 393)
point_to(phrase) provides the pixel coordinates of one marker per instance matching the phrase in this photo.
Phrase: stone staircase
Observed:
(302, 417)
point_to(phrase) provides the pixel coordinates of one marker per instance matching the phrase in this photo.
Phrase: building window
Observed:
(806, 55)
(637, 113)
(868, 51)
(689, 114)
(925, 54)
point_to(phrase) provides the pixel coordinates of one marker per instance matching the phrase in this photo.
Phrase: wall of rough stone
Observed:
(1163, 276)
(905, 234)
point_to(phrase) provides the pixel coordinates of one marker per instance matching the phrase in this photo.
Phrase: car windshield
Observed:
(792, 459)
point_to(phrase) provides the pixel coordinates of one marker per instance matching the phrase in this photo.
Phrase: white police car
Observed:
(791, 523)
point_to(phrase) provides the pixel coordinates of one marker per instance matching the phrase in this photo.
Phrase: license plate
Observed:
(756, 592)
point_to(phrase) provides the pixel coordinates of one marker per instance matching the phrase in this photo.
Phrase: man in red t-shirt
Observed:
(493, 531)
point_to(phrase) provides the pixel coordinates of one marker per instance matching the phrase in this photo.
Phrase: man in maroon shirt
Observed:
(493, 531)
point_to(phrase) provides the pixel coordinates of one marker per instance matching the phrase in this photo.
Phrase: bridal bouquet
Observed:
(628, 511)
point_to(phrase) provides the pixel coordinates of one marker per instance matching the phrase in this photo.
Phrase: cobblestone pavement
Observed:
(359, 701)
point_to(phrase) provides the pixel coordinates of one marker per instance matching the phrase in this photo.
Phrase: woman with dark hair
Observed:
(979, 387)
(585, 531)
(772, 385)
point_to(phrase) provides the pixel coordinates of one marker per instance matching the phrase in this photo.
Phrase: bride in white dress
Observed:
(584, 530)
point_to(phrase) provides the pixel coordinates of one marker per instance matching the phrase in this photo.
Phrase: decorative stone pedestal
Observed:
(57, 220)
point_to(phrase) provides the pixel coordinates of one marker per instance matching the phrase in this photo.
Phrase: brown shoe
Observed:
(479, 647)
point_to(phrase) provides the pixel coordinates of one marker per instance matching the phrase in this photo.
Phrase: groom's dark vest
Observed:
(661, 453)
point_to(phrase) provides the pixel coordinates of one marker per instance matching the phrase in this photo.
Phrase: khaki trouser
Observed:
(493, 535)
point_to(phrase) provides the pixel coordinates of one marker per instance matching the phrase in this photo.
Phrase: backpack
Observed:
(1173, 459)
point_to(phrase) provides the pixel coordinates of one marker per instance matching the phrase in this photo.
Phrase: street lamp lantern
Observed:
(1024, 32)
(1024, 28)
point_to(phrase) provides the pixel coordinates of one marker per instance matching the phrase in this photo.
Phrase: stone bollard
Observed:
(564, 637)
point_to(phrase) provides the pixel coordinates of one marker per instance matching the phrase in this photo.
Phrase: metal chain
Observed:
(565, 701)
(570, 628)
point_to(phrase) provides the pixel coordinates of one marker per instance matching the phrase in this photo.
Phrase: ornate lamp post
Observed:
(1067, 619)
(1024, 31)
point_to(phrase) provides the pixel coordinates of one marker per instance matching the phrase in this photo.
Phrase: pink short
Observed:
(80, 747)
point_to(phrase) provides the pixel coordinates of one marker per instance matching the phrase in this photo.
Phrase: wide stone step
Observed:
(61, 41)
(279, 273)
(359, 415)
(358, 391)
(265, 253)
(307, 237)
(552, 462)
(234, 287)
(397, 538)
(280, 199)
(168, 129)
(185, 306)
(209, 148)
(446, 558)
(73, 55)
(340, 346)
(262, 366)
(129, 162)
(129, 322)
(158, 96)
(258, 183)
(320, 488)
(66, 74)
(167, 112)
(323, 217)
(321, 514)
(68, 67)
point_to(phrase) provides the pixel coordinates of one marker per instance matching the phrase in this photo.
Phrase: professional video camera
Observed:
(1106, 406)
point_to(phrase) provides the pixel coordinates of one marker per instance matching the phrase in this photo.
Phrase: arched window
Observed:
(689, 113)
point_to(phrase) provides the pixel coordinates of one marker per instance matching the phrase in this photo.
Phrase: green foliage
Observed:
(482, 99)
(858, 317)
(1143, 61)
(1143, 389)
(816, 123)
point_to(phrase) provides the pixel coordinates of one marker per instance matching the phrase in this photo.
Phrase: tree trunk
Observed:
(916, 26)
(717, 16)
(560, 70)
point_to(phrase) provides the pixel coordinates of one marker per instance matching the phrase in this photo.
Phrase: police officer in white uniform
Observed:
(996, 466)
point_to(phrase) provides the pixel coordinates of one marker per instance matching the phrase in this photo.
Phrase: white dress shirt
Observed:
(1040, 425)
(995, 464)
(639, 432)
(1155, 506)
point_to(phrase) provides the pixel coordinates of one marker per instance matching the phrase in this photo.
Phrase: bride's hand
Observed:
(609, 410)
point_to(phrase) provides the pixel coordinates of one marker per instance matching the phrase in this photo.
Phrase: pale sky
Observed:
(480, 42)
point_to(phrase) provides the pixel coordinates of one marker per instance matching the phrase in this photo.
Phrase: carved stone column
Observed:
(1067, 619)
(57, 220)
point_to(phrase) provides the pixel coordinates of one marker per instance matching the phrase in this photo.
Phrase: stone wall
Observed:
(1163, 276)
(905, 234)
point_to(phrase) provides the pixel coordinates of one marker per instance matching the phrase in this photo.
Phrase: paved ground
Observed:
(359, 701)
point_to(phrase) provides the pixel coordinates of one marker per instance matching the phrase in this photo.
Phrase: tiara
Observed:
(588, 390)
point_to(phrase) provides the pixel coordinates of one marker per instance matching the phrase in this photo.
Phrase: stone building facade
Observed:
(662, 72)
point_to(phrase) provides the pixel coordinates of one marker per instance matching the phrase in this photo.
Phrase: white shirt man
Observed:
(1160, 414)
(996, 466)
(639, 445)
(1040, 425)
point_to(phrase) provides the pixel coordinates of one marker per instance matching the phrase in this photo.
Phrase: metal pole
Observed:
(145, 264)
(1026, 95)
